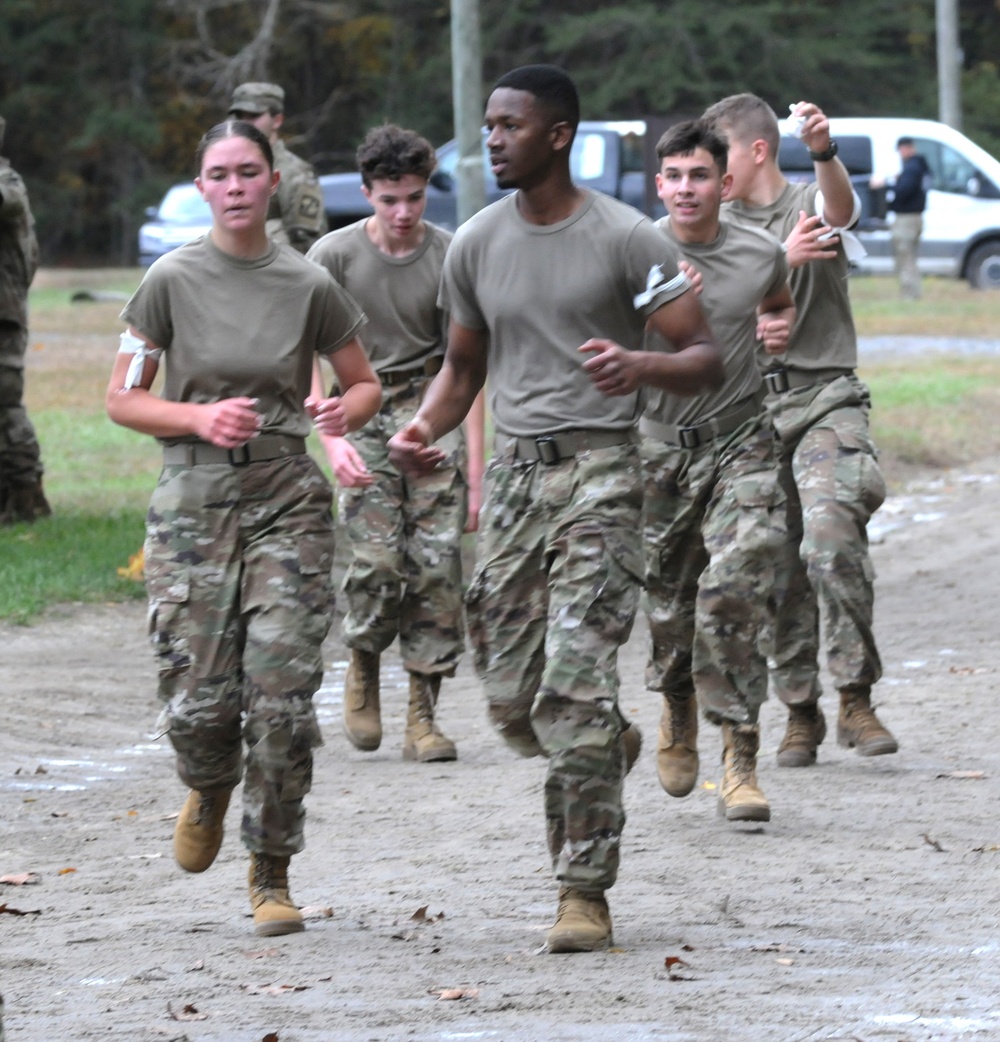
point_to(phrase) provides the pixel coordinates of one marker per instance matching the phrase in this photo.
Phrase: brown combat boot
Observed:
(631, 744)
(677, 747)
(24, 503)
(362, 713)
(583, 922)
(198, 833)
(804, 734)
(273, 910)
(424, 742)
(859, 728)
(740, 798)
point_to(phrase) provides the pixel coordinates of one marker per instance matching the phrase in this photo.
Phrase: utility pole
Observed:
(467, 88)
(949, 62)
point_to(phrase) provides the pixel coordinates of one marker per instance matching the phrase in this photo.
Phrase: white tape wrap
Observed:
(129, 344)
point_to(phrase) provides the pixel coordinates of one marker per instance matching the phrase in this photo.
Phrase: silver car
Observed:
(181, 216)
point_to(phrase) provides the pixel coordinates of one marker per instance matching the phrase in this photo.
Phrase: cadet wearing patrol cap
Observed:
(296, 215)
(21, 496)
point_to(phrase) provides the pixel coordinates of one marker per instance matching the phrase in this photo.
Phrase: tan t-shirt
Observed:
(230, 327)
(739, 269)
(541, 291)
(824, 336)
(399, 294)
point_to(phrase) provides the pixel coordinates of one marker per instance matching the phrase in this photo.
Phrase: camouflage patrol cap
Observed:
(257, 98)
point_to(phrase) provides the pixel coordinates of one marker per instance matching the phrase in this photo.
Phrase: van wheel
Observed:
(983, 267)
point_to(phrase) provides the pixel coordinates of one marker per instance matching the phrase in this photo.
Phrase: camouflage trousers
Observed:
(237, 564)
(20, 456)
(554, 595)
(405, 572)
(833, 485)
(713, 526)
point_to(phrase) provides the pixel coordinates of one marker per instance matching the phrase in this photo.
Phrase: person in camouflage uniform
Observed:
(714, 512)
(297, 215)
(21, 495)
(405, 573)
(239, 540)
(550, 289)
(819, 408)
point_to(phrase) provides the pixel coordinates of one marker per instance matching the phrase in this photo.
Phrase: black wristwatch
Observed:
(825, 157)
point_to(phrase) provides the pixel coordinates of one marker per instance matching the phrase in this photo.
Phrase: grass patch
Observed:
(71, 556)
(930, 411)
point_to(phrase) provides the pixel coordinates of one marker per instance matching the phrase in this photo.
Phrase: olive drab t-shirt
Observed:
(542, 291)
(739, 269)
(230, 327)
(824, 336)
(405, 325)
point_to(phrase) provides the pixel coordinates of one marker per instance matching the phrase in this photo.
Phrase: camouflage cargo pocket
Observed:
(169, 620)
(858, 477)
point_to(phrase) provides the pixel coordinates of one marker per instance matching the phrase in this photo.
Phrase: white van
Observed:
(961, 235)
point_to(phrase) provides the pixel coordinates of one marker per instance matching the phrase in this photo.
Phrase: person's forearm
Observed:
(475, 424)
(450, 397)
(147, 413)
(361, 401)
(838, 195)
(695, 370)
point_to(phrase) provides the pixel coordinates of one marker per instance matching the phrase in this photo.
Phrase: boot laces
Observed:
(679, 706)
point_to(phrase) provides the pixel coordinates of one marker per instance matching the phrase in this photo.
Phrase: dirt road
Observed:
(866, 910)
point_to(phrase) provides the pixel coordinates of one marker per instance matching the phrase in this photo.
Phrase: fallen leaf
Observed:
(199, 965)
(451, 994)
(133, 814)
(263, 953)
(17, 911)
(931, 842)
(985, 850)
(317, 912)
(709, 785)
(271, 1036)
(21, 879)
(41, 769)
(974, 775)
(66, 871)
(785, 962)
(134, 570)
(421, 916)
(189, 1012)
(967, 671)
(272, 989)
(60, 814)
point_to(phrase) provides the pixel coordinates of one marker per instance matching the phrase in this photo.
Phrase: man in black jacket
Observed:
(908, 199)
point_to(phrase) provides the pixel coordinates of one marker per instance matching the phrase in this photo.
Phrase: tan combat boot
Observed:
(804, 734)
(273, 910)
(631, 744)
(677, 747)
(198, 833)
(859, 728)
(424, 742)
(740, 798)
(362, 713)
(583, 922)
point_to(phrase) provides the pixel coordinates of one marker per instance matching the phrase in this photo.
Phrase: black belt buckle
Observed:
(689, 437)
(777, 381)
(240, 456)
(548, 449)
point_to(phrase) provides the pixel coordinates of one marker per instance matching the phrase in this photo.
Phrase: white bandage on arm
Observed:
(853, 247)
(129, 344)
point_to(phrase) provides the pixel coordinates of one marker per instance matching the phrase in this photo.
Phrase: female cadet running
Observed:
(239, 539)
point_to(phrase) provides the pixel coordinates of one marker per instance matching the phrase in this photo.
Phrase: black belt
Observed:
(256, 450)
(699, 433)
(401, 376)
(554, 448)
(781, 379)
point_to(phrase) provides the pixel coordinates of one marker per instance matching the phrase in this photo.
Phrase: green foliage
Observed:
(105, 102)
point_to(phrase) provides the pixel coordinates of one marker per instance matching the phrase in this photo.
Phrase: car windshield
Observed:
(183, 204)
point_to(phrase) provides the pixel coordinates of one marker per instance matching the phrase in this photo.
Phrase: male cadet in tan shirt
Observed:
(296, 216)
(714, 513)
(405, 532)
(820, 411)
(550, 288)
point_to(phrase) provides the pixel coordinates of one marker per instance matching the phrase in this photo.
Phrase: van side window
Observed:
(952, 171)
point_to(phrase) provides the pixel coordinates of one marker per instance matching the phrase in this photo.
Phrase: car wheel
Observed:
(983, 267)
